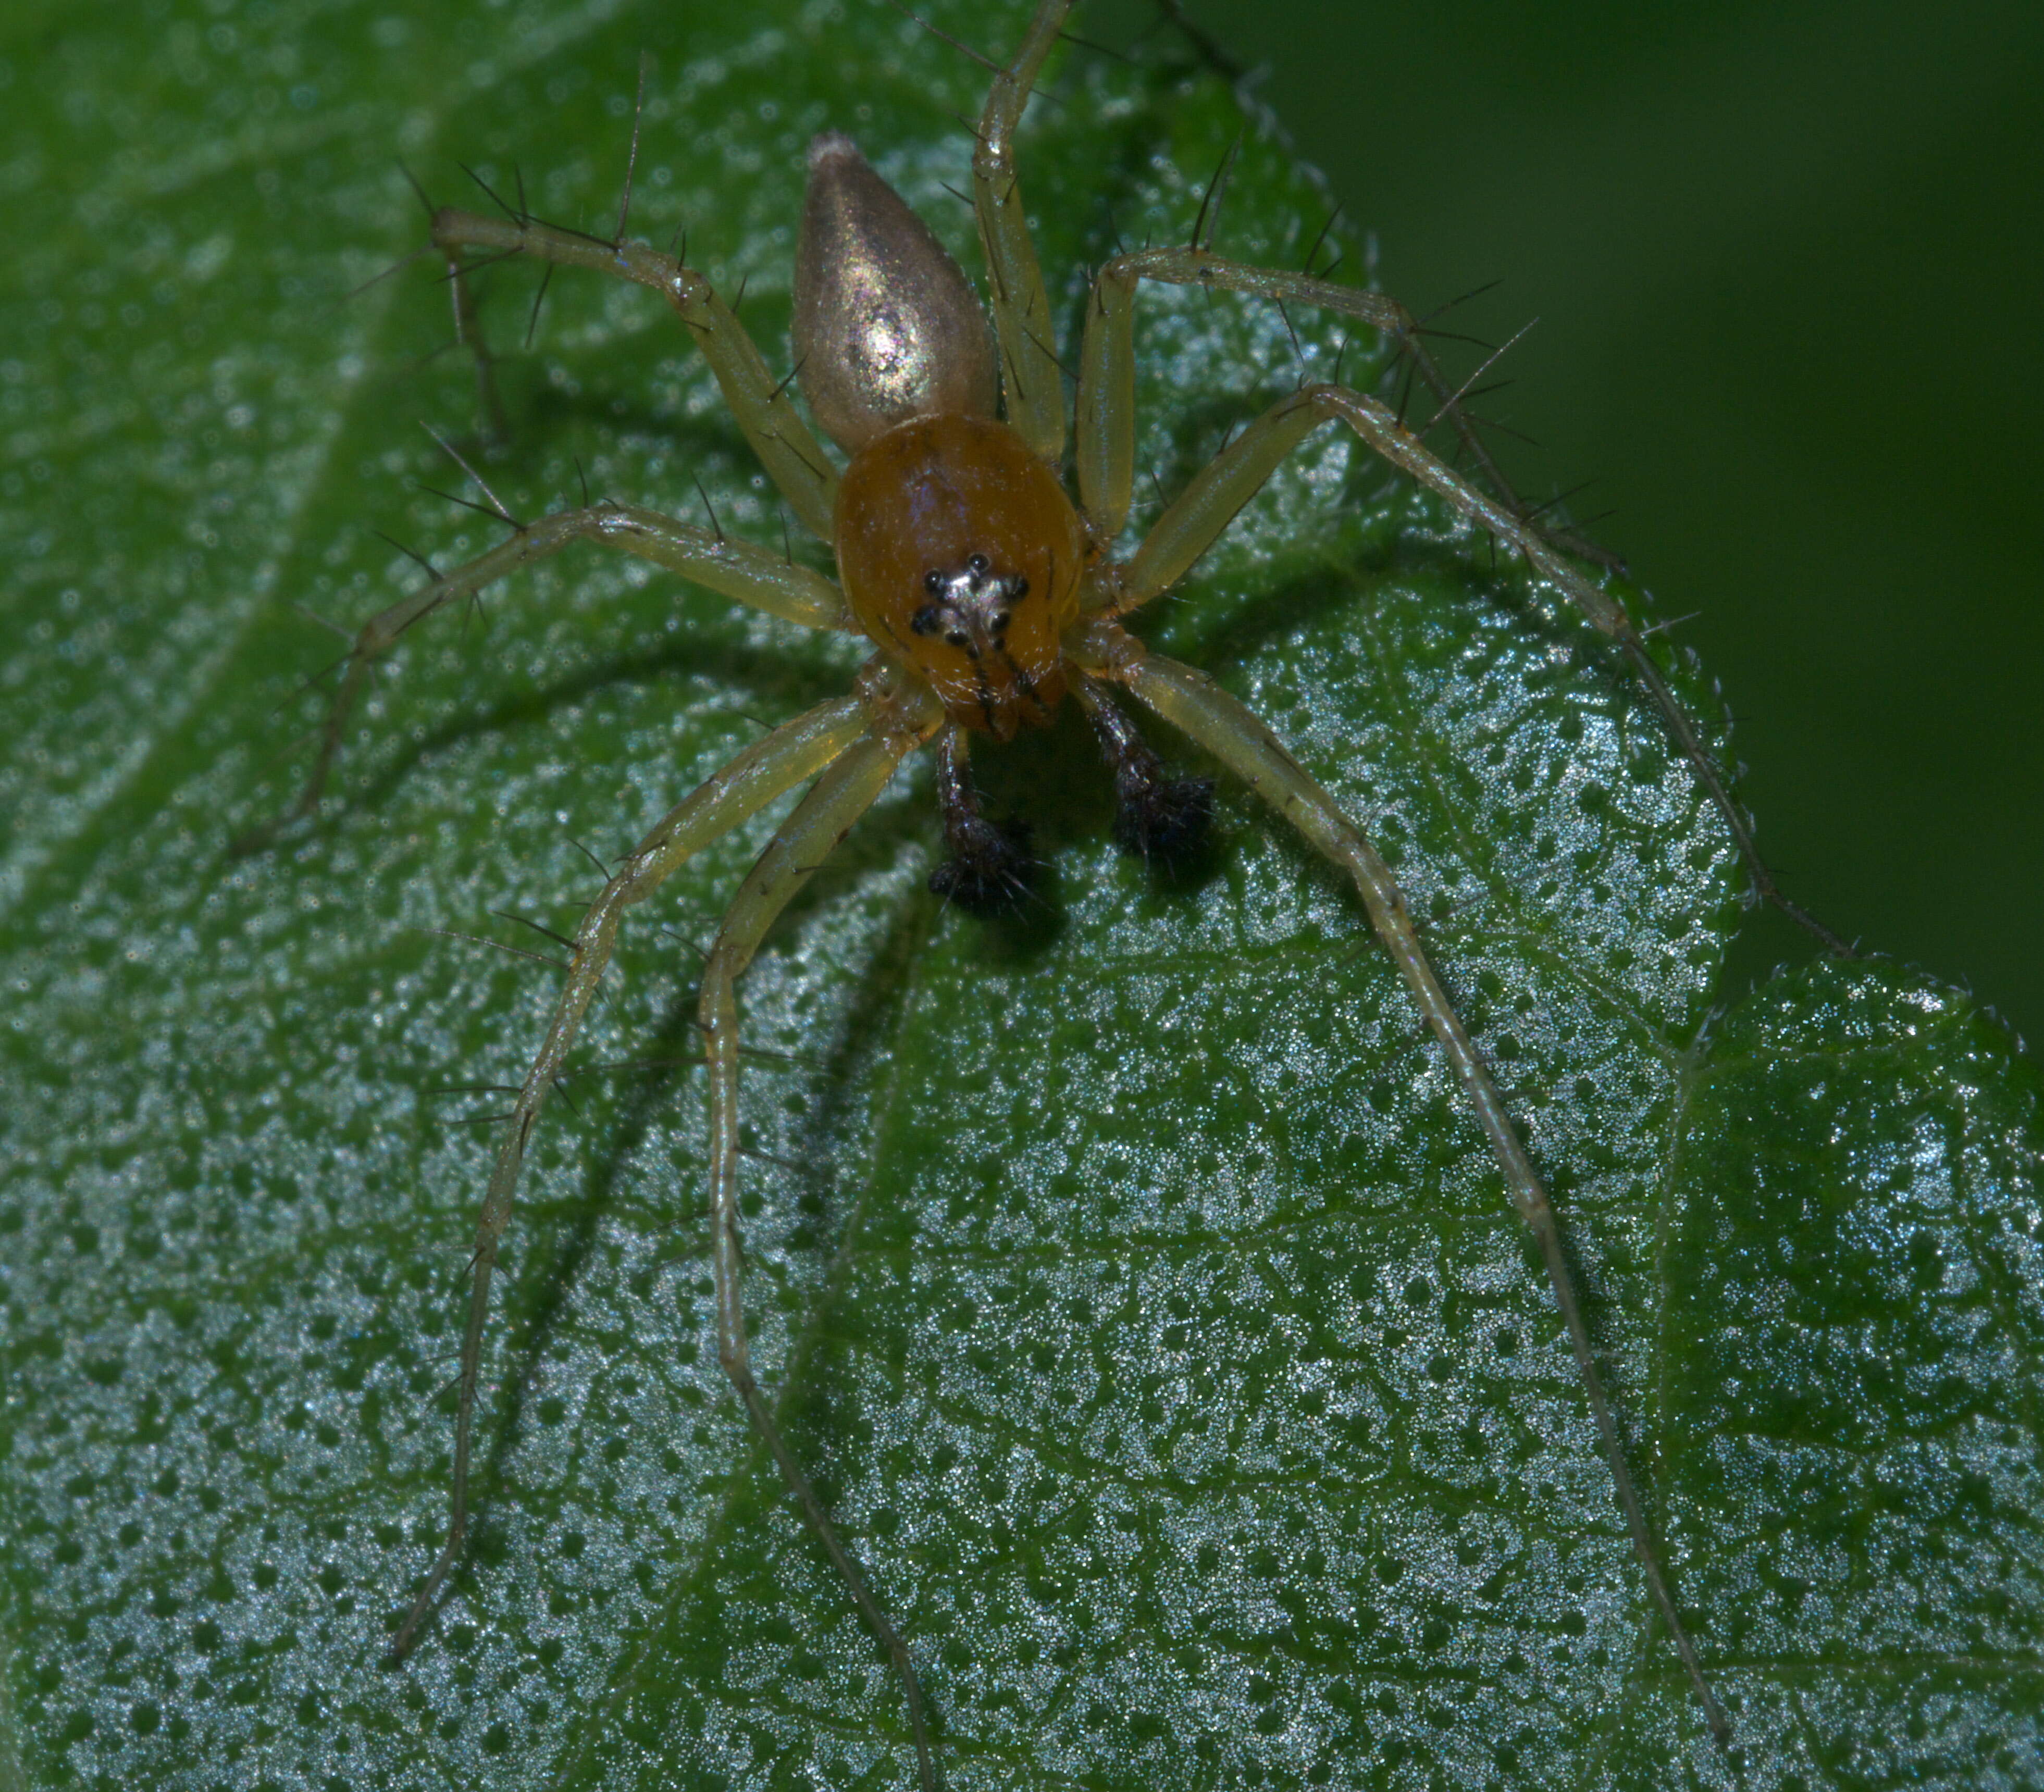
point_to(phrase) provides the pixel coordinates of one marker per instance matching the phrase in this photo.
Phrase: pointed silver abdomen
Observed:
(887, 327)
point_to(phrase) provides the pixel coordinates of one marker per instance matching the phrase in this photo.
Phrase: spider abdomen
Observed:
(958, 548)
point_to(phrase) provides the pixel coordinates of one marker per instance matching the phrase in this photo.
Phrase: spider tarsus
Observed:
(419, 1618)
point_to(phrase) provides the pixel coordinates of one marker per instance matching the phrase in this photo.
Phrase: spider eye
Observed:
(977, 563)
(927, 620)
(1021, 587)
(958, 638)
(933, 581)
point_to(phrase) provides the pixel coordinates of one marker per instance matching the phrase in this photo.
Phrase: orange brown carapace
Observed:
(959, 547)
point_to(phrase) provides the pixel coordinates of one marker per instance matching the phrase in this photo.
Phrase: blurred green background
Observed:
(1786, 261)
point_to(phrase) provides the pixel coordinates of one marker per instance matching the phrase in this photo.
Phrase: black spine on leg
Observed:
(1156, 817)
(990, 868)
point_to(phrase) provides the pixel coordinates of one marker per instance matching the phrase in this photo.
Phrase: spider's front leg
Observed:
(1208, 716)
(898, 718)
(1198, 516)
(795, 751)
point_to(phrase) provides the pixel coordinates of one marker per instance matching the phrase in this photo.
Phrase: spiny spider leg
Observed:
(795, 751)
(787, 448)
(1208, 716)
(736, 568)
(806, 838)
(1106, 454)
(853, 746)
(1106, 448)
(1031, 383)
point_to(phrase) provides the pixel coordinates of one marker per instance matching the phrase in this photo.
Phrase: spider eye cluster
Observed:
(968, 604)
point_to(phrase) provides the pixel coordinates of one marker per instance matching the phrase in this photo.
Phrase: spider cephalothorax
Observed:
(959, 551)
(971, 605)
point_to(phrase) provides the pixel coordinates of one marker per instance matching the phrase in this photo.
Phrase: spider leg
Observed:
(734, 568)
(1031, 383)
(793, 458)
(1107, 389)
(806, 838)
(795, 751)
(1189, 525)
(1194, 704)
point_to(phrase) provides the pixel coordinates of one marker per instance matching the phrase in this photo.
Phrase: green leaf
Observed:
(1144, 1303)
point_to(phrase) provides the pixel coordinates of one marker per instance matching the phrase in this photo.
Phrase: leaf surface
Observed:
(1144, 1301)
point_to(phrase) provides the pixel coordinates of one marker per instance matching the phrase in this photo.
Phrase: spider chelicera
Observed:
(990, 597)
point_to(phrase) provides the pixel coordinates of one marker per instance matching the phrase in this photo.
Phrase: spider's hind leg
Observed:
(991, 868)
(1157, 820)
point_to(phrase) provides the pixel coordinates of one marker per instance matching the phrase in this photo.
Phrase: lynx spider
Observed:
(989, 596)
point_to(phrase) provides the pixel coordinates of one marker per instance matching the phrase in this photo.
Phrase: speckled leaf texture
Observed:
(1146, 1307)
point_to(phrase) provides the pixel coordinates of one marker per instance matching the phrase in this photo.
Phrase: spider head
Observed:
(958, 550)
